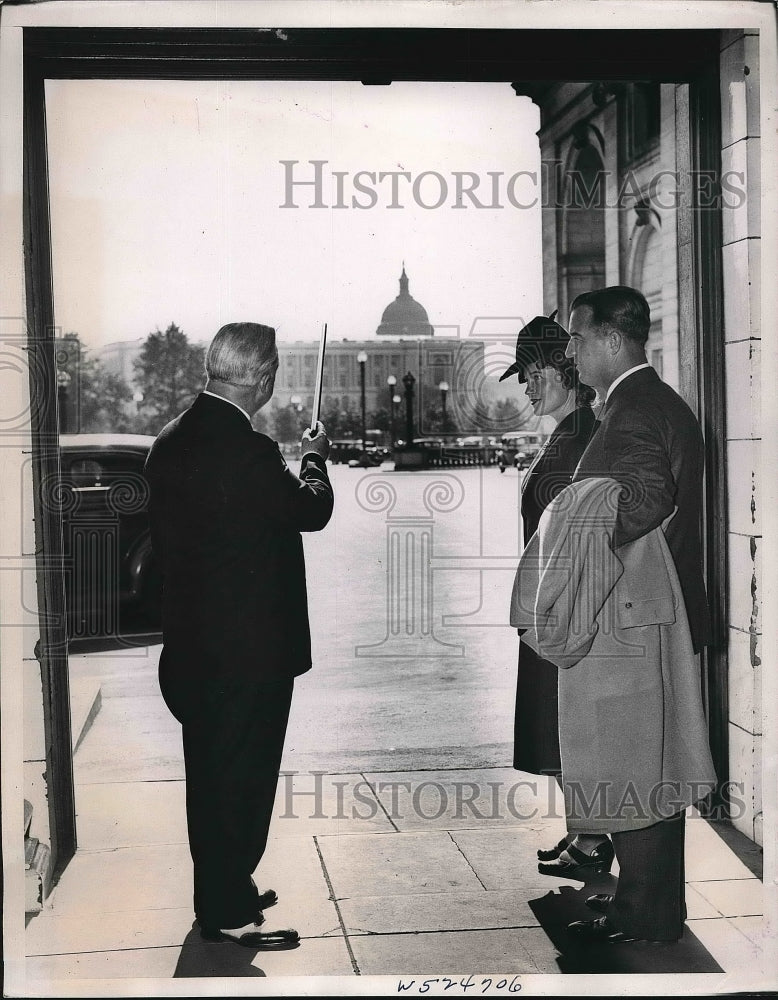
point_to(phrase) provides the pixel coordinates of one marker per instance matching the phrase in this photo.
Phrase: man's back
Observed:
(226, 515)
(650, 441)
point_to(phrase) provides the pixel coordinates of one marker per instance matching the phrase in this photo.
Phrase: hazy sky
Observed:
(166, 206)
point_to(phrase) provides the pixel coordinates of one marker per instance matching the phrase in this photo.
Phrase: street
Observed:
(445, 701)
(434, 704)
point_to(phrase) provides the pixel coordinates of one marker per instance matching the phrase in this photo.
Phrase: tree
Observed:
(434, 422)
(104, 400)
(509, 415)
(260, 422)
(379, 420)
(341, 423)
(285, 424)
(169, 373)
(91, 399)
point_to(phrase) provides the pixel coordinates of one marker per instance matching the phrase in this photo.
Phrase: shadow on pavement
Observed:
(556, 910)
(214, 958)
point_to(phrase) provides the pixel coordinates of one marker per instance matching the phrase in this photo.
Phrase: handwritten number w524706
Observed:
(483, 985)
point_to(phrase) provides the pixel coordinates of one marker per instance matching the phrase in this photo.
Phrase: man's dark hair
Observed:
(623, 308)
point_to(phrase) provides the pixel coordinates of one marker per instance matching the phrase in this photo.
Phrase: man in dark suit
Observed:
(649, 441)
(226, 517)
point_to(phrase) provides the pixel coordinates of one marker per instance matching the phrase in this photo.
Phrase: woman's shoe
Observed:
(596, 863)
(554, 852)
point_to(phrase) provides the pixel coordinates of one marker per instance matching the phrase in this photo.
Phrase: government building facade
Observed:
(405, 342)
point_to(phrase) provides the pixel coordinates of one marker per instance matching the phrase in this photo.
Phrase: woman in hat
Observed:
(554, 391)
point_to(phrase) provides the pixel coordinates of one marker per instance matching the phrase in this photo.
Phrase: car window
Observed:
(83, 471)
(112, 478)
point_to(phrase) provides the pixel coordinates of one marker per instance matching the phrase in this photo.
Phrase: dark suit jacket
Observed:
(649, 441)
(226, 516)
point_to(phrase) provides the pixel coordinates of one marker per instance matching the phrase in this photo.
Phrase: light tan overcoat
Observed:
(633, 735)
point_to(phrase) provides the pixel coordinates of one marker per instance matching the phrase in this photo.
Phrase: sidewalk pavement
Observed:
(404, 875)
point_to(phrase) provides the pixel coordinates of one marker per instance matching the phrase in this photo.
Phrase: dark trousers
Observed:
(233, 733)
(650, 900)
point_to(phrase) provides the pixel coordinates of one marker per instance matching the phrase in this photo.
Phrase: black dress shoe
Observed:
(599, 931)
(262, 940)
(600, 901)
(553, 853)
(265, 899)
(598, 862)
(602, 931)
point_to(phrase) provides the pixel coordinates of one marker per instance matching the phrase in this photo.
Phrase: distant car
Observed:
(343, 451)
(113, 586)
(368, 458)
(520, 448)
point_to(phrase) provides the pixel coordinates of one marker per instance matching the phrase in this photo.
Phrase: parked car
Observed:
(519, 448)
(349, 451)
(113, 586)
(369, 458)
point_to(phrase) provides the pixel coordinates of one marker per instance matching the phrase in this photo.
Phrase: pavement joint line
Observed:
(132, 781)
(736, 878)
(391, 770)
(337, 773)
(467, 861)
(341, 921)
(376, 796)
(156, 947)
(131, 847)
(455, 930)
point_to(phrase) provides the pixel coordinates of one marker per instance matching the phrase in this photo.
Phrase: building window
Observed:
(641, 119)
(656, 361)
(583, 258)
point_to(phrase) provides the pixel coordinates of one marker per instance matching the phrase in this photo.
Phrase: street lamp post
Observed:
(391, 382)
(443, 394)
(362, 359)
(297, 407)
(396, 400)
(409, 381)
(137, 398)
(63, 383)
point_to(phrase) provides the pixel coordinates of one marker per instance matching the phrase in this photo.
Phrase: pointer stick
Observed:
(319, 377)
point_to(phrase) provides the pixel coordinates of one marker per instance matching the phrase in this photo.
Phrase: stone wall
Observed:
(742, 334)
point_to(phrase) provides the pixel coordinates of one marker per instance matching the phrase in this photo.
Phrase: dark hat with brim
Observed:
(542, 340)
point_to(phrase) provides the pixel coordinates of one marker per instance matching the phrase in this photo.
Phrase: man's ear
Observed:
(614, 341)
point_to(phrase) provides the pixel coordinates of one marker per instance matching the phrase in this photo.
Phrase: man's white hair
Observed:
(241, 353)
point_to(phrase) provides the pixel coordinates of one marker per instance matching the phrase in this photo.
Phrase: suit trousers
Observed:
(233, 735)
(650, 899)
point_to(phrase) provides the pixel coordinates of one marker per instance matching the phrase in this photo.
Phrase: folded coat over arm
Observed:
(633, 735)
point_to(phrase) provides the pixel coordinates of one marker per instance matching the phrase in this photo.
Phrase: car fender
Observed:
(139, 564)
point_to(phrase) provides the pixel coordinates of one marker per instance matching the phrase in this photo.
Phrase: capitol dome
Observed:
(405, 317)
